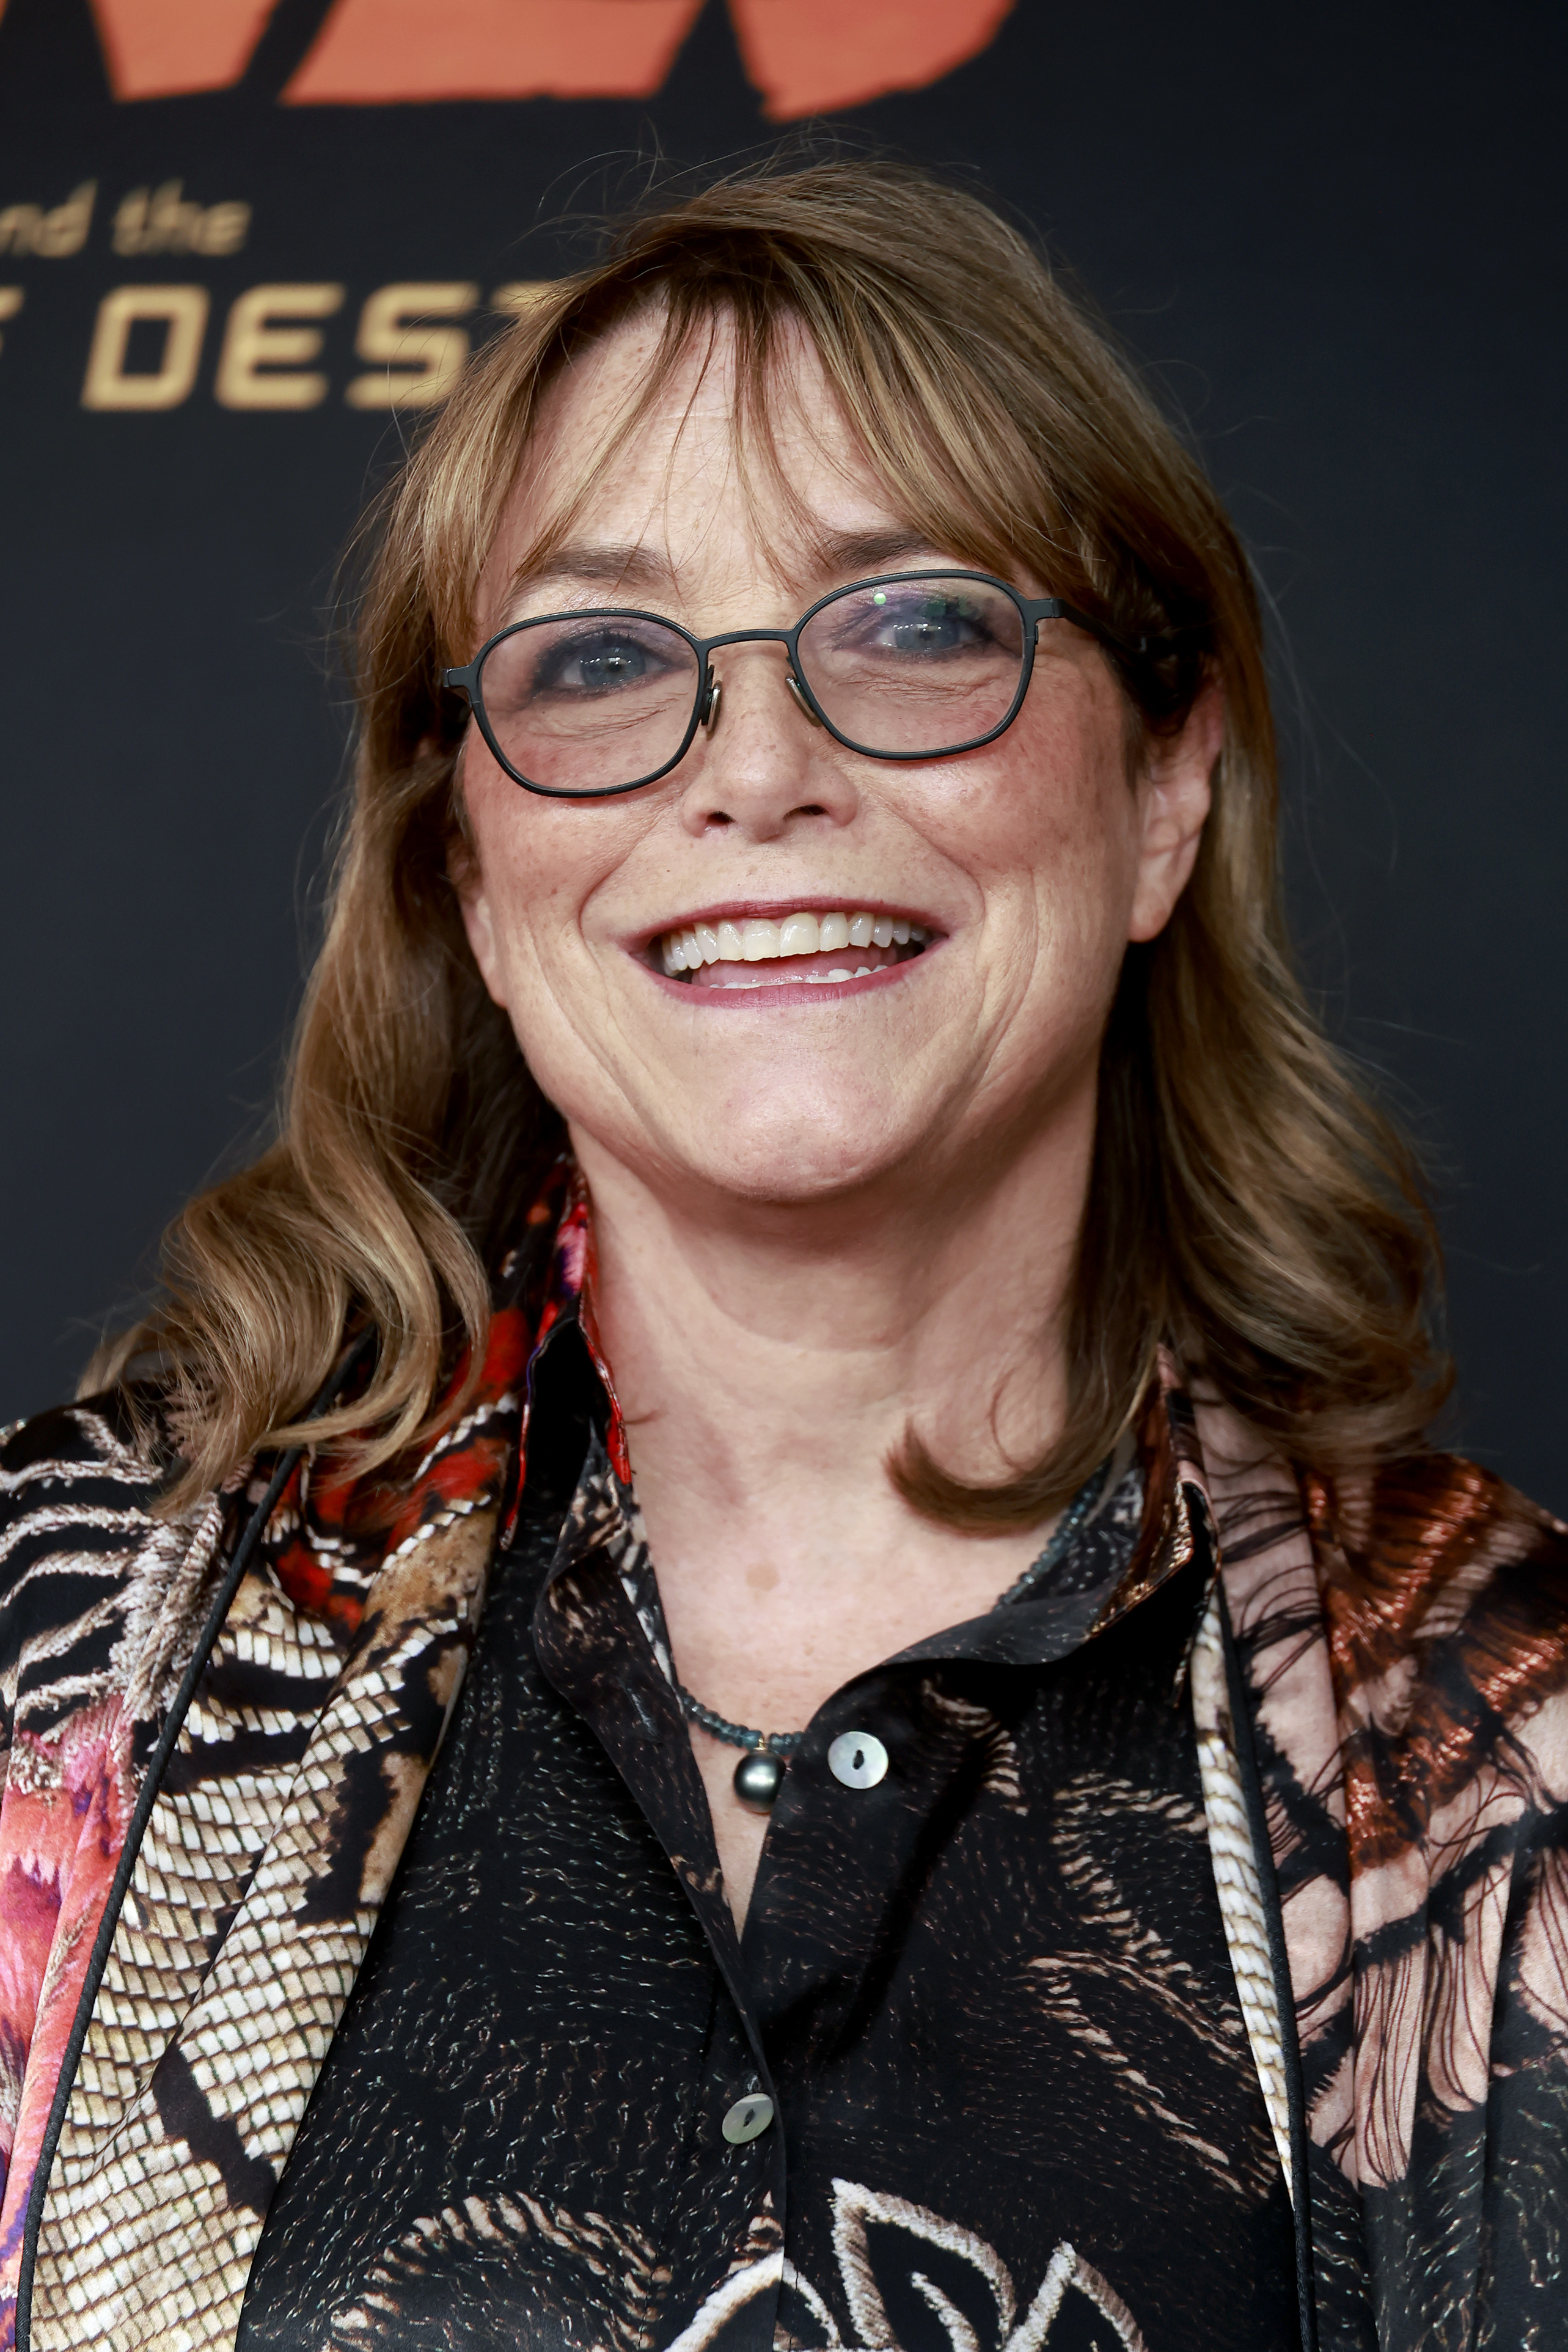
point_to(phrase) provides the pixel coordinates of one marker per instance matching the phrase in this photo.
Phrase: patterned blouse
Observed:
(1196, 1973)
(987, 1998)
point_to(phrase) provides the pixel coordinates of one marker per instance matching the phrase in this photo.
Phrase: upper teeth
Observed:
(757, 941)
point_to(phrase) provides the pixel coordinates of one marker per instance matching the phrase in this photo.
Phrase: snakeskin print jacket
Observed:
(217, 1727)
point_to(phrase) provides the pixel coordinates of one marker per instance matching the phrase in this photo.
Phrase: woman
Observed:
(762, 1653)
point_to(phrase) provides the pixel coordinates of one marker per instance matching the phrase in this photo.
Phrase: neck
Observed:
(769, 1356)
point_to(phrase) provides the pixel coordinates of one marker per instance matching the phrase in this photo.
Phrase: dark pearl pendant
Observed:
(758, 1775)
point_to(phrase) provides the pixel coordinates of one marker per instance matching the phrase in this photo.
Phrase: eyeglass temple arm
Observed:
(1052, 608)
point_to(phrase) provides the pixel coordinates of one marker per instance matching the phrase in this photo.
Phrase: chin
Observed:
(791, 1154)
(801, 1181)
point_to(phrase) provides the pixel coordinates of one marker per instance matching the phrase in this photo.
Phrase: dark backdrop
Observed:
(1334, 236)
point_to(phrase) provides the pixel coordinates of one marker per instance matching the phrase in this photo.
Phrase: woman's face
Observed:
(1026, 866)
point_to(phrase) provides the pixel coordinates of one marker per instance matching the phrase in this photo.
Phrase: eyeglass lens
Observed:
(910, 668)
(591, 702)
(914, 667)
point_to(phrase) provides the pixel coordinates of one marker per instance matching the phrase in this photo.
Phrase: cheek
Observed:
(1046, 818)
(1050, 833)
(538, 864)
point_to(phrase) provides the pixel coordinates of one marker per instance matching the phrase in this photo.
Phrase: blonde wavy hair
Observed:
(1249, 1203)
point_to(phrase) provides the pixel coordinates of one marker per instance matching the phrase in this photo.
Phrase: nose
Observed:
(754, 764)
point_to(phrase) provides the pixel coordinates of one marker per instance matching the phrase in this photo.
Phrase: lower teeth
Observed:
(811, 979)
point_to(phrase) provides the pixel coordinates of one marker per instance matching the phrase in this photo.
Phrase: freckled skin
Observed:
(816, 1222)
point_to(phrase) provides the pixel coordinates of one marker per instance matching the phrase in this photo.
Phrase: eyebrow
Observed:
(870, 550)
(638, 567)
(838, 554)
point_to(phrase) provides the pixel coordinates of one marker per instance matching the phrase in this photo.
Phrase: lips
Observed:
(825, 949)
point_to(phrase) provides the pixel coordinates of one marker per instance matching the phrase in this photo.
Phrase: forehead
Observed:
(612, 458)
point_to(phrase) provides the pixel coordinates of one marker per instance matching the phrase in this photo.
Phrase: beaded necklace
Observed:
(759, 1775)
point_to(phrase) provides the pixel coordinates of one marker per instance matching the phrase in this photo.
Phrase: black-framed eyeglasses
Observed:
(911, 666)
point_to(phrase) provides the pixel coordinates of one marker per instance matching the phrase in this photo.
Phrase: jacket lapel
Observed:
(254, 1895)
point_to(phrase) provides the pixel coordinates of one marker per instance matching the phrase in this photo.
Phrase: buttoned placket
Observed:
(594, 1652)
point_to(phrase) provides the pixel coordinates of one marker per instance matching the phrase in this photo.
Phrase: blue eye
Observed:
(594, 665)
(939, 624)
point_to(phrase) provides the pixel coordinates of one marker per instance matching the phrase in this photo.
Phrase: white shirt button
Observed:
(858, 1758)
(748, 2118)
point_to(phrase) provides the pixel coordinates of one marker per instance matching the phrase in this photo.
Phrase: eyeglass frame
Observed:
(705, 707)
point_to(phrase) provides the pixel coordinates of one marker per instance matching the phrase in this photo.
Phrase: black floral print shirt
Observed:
(981, 2032)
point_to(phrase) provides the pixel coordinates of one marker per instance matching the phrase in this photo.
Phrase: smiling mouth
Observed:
(825, 950)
